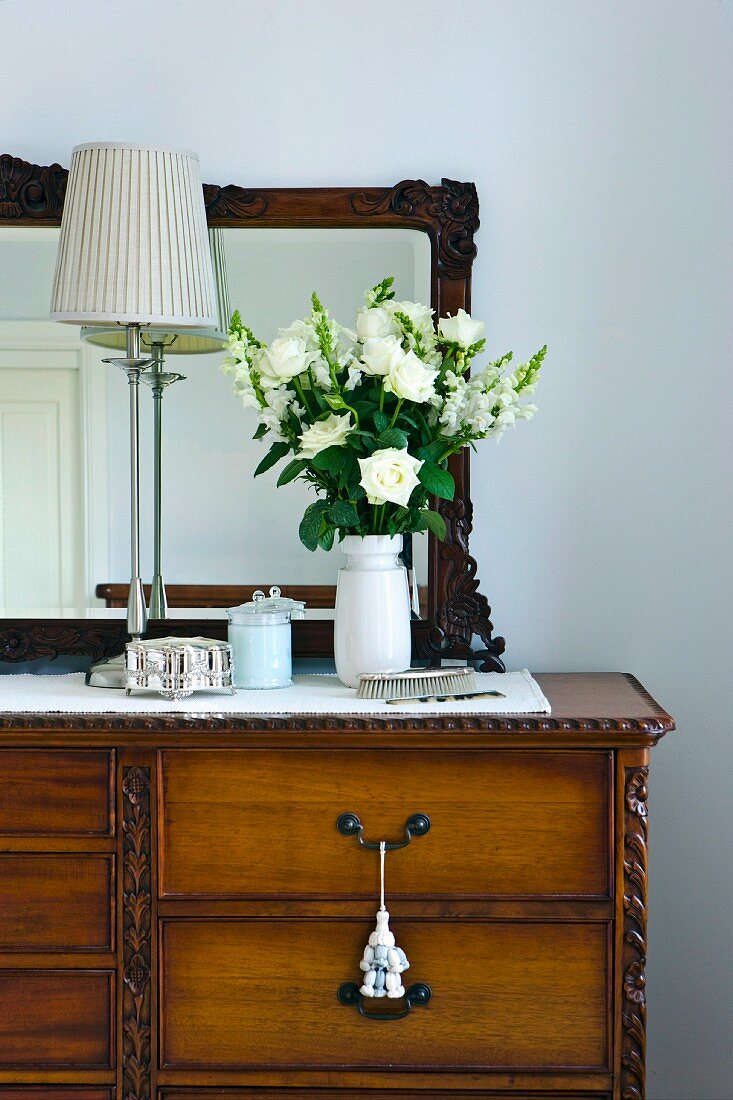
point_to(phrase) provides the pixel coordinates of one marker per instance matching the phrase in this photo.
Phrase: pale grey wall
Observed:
(598, 134)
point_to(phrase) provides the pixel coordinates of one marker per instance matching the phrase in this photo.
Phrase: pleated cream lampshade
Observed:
(188, 341)
(134, 246)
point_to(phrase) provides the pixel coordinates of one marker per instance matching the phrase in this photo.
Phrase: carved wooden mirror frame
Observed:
(34, 195)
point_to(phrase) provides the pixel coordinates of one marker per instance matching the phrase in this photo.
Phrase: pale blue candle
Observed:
(260, 636)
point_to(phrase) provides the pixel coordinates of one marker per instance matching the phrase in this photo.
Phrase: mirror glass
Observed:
(64, 434)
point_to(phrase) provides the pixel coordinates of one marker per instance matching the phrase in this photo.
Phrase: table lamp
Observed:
(133, 252)
(160, 343)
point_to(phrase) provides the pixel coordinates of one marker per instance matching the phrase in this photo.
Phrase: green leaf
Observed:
(311, 524)
(436, 524)
(381, 421)
(262, 429)
(343, 514)
(432, 451)
(437, 481)
(276, 452)
(329, 460)
(326, 540)
(393, 437)
(291, 471)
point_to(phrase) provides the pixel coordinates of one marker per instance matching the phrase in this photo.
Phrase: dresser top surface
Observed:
(589, 709)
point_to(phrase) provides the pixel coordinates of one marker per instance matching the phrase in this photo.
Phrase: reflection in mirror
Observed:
(63, 428)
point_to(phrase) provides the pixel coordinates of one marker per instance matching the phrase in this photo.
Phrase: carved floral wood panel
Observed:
(136, 934)
(633, 1015)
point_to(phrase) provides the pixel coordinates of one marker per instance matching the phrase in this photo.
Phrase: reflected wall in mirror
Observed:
(64, 437)
(63, 421)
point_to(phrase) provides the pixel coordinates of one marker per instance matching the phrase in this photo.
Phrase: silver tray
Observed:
(176, 667)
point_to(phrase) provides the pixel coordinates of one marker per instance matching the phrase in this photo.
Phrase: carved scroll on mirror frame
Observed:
(448, 213)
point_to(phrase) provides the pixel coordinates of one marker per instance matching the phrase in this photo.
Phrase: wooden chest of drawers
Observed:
(178, 909)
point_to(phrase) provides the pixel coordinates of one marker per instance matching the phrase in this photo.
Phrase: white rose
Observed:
(380, 354)
(285, 358)
(373, 322)
(389, 475)
(411, 380)
(420, 315)
(330, 432)
(461, 329)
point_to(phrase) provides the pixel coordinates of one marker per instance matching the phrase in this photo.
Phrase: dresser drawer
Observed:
(55, 793)
(504, 996)
(255, 1093)
(56, 1018)
(56, 902)
(262, 823)
(54, 1092)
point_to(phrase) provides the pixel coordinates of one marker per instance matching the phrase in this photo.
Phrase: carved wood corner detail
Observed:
(32, 639)
(31, 191)
(451, 210)
(633, 1015)
(233, 202)
(465, 611)
(136, 932)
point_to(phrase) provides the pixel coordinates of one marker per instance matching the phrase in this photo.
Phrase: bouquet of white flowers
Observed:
(370, 417)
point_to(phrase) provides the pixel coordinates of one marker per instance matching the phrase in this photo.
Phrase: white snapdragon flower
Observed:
(477, 413)
(461, 329)
(345, 345)
(451, 414)
(321, 373)
(330, 432)
(374, 322)
(355, 377)
(279, 401)
(244, 389)
(283, 360)
(410, 380)
(380, 354)
(505, 419)
(389, 475)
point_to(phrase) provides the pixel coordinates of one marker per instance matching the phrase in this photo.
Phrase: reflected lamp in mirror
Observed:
(161, 342)
(133, 251)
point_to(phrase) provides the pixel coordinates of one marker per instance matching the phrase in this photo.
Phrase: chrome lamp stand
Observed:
(158, 380)
(111, 672)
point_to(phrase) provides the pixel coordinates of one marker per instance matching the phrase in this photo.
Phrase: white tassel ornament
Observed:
(383, 961)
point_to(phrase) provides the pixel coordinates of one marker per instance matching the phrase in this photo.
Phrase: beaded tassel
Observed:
(383, 961)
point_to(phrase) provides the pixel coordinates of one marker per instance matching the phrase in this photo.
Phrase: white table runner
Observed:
(310, 694)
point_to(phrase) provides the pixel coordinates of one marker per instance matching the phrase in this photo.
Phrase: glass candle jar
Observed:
(259, 633)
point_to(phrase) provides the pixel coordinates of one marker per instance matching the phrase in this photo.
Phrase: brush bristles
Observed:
(415, 683)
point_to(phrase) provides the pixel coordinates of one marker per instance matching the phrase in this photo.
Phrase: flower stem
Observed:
(396, 412)
(301, 393)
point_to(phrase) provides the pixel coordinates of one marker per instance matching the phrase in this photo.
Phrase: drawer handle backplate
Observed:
(416, 825)
(417, 995)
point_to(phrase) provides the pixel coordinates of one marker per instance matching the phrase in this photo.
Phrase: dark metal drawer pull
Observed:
(417, 995)
(416, 825)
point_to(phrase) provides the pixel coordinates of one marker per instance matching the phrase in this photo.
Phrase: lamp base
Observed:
(109, 673)
(158, 599)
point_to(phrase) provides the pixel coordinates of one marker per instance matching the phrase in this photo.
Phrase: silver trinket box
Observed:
(176, 667)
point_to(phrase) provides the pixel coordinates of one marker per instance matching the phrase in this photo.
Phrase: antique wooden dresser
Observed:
(180, 913)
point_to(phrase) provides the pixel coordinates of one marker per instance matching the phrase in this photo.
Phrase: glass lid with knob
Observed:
(273, 609)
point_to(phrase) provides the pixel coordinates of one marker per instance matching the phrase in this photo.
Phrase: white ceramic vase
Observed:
(372, 627)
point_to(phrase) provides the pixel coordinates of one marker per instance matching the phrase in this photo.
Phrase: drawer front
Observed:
(256, 1093)
(54, 1092)
(504, 996)
(56, 1018)
(55, 793)
(56, 902)
(263, 823)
